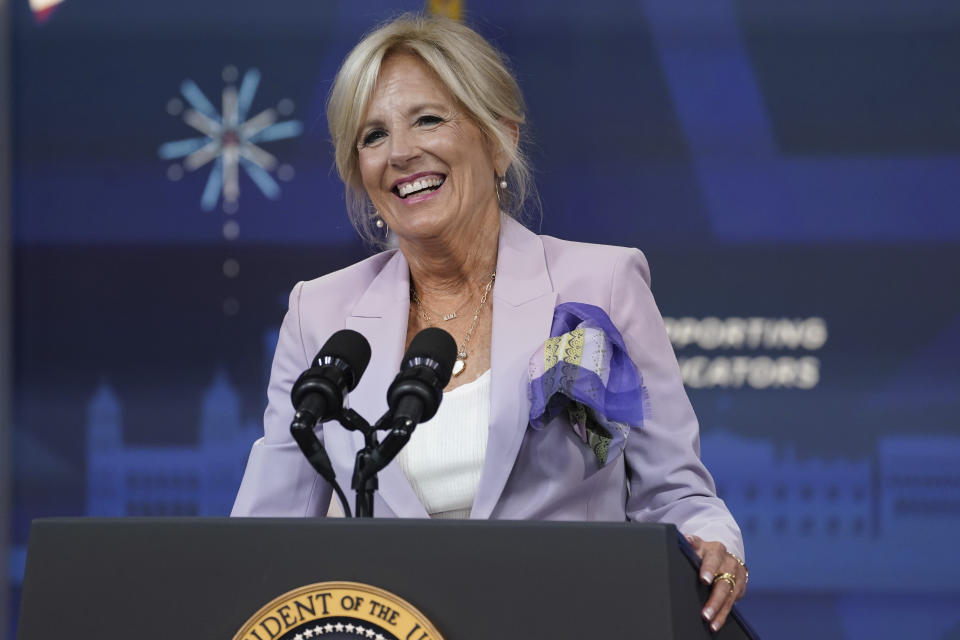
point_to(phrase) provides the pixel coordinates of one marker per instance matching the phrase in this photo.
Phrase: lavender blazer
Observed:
(545, 475)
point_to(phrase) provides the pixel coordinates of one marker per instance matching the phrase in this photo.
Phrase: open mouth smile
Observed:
(420, 184)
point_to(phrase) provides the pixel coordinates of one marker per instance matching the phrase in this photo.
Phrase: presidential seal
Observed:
(338, 610)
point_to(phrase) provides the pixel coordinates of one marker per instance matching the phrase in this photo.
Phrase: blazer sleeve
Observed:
(667, 482)
(278, 480)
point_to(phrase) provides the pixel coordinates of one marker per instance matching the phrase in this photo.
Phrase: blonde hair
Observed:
(471, 69)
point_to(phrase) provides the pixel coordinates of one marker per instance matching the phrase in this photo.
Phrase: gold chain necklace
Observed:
(425, 316)
(461, 362)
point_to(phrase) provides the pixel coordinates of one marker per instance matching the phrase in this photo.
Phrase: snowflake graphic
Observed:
(230, 140)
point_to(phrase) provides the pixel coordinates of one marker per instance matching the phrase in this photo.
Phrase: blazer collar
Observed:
(523, 303)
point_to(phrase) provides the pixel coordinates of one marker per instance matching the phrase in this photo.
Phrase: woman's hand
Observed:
(728, 575)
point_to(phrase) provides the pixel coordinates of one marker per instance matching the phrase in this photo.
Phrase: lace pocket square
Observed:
(584, 369)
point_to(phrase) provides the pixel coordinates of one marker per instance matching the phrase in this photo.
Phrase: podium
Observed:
(206, 578)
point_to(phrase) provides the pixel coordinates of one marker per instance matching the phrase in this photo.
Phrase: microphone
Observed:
(416, 392)
(318, 393)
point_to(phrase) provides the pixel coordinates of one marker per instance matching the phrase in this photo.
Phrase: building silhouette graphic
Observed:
(920, 479)
(844, 512)
(199, 480)
(776, 494)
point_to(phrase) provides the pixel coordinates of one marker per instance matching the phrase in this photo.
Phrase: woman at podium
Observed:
(566, 401)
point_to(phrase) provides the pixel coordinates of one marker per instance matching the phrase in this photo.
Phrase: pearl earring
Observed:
(503, 182)
(378, 221)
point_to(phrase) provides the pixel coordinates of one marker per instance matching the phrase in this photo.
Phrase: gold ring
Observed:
(742, 564)
(728, 578)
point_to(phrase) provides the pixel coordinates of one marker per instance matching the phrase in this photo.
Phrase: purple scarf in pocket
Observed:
(584, 370)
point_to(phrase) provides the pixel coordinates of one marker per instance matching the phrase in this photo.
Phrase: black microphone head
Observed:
(349, 346)
(433, 344)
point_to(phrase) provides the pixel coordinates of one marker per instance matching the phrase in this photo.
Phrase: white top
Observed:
(444, 457)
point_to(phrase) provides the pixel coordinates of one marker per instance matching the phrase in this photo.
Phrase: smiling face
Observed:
(424, 163)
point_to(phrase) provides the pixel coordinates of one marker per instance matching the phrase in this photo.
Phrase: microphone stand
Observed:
(368, 461)
(374, 455)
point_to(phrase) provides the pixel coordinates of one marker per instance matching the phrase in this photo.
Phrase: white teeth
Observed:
(419, 184)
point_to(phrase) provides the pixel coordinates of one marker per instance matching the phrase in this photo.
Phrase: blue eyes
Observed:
(376, 135)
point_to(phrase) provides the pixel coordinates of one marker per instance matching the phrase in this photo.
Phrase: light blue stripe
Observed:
(278, 131)
(211, 193)
(181, 148)
(261, 178)
(248, 89)
(192, 93)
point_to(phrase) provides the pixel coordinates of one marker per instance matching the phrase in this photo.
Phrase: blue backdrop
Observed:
(790, 169)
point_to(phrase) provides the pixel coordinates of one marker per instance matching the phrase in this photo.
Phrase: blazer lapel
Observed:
(523, 304)
(376, 315)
